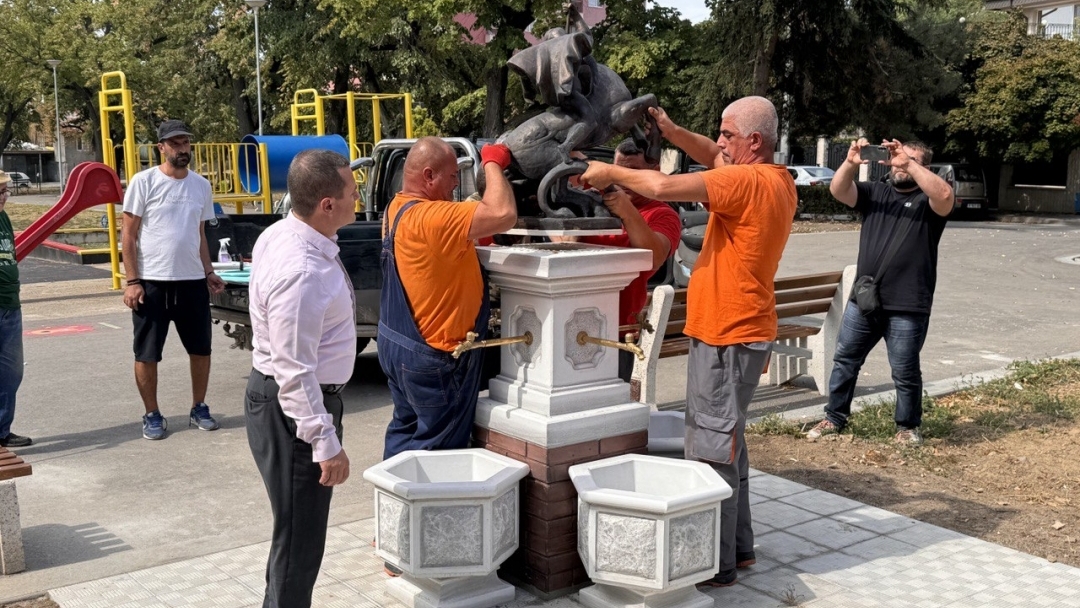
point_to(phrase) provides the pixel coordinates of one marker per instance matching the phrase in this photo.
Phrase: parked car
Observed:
(20, 181)
(968, 183)
(806, 175)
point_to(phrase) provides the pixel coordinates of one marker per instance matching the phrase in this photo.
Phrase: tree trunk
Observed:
(763, 63)
(242, 107)
(495, 83)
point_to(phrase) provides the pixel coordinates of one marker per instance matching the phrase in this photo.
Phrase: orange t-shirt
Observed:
(438, 267)
(730, 299)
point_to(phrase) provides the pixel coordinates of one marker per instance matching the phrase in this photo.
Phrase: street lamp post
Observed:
(255, 6)
(56, 100)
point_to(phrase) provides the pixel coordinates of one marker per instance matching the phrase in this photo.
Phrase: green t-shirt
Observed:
(9, 271)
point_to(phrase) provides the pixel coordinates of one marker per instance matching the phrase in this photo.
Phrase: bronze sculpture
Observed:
(588, 104)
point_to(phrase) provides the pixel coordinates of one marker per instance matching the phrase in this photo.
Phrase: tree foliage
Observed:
(1024, 101)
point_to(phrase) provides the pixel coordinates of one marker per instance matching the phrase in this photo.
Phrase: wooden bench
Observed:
(804, 345)
(11, 546)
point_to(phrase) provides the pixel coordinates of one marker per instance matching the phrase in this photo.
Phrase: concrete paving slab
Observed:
(880, 571)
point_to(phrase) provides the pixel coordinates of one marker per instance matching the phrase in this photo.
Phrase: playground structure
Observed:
(243, 172)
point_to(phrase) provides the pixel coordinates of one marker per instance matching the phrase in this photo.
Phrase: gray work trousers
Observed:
(719, 386)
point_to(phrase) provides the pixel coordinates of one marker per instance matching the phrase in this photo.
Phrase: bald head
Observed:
(430, 169)
(754, 115)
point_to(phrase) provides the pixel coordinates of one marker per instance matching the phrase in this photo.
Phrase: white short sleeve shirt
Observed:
(171, 211)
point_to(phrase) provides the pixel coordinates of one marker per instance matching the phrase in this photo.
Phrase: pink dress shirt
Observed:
(303, 321)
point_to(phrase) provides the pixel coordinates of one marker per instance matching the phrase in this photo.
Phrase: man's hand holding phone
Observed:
(854, 155)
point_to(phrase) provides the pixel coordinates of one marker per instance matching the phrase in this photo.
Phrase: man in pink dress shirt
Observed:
(303, 319)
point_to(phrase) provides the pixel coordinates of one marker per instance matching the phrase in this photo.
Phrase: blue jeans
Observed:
(11, 365)
(904, 335)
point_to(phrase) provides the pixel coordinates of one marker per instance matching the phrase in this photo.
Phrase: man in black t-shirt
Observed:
(914, 195)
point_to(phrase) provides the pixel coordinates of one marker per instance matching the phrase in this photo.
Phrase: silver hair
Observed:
(754, 114)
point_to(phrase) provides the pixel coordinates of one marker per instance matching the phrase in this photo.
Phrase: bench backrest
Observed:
(11, 466)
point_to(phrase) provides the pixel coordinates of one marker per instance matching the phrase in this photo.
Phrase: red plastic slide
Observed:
(89, 184)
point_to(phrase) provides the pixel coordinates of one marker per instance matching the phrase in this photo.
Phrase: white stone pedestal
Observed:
(12, 559)
(648, 530)
(557, 392)
(467, 592)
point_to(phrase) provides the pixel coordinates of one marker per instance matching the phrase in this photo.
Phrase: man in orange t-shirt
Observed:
(730, 304)
(434, 293)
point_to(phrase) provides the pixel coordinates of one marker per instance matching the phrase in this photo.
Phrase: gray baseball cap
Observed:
(172, 128)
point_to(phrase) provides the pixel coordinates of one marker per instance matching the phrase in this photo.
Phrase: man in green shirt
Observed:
(11, 348)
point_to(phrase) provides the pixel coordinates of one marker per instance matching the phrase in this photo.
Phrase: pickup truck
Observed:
(360, 242)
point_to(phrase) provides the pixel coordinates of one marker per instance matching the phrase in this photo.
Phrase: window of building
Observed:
(79, 144)
(1052, 174)
(595, 3)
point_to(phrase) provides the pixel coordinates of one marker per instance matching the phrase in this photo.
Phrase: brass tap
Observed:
(471, 343)
(627, 344)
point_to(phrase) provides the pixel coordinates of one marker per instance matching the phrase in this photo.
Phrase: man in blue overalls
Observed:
(434, 292)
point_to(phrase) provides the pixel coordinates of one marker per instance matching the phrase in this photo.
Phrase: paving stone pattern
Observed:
(814, 549)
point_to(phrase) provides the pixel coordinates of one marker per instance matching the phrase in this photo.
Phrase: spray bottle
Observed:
(223, 251)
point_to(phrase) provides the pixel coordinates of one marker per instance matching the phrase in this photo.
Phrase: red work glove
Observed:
(495, 153)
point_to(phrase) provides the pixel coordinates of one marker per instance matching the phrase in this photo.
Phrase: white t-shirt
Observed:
(172, 211)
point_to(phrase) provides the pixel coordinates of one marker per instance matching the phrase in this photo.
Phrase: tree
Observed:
(1023, 103)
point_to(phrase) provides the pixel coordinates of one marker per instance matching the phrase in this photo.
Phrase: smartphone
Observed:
(874, 153)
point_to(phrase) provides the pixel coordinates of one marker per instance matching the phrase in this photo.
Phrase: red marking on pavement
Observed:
(59, 331)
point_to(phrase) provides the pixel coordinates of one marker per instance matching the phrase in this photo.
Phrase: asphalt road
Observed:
(104, 501)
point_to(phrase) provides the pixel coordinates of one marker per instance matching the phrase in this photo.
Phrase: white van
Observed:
(968, 183)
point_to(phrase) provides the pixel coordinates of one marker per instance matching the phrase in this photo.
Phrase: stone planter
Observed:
(448, 519)
(648, 530)
(667, 432)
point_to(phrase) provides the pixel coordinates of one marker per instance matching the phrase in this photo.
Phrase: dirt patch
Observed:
(999, 461)
(41, 602)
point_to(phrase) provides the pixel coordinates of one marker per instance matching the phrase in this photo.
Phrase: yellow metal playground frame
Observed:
(219, 163)
(315, 111)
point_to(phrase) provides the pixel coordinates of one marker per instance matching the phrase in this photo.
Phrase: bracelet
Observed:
(131, 282)
(209, 273)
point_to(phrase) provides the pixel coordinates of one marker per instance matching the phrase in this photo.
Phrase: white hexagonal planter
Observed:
(648, 530)
(448, 519)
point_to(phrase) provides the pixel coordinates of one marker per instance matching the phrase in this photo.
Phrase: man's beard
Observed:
(903, 184)
(180, 161)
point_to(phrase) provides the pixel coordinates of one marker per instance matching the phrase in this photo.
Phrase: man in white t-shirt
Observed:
(169, 275)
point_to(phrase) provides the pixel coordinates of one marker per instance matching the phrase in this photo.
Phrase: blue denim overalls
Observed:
(434, 394)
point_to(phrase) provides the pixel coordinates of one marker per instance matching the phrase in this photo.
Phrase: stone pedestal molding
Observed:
(648, 530)
(557, 402)
(448, 519)
(12, 559)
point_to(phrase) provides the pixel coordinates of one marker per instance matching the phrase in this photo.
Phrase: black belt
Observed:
(331, 389)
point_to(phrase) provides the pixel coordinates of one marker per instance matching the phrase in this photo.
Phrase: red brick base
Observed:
(547, 561)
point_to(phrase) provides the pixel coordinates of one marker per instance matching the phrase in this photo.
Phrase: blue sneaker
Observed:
(200, 417)
(154, 425)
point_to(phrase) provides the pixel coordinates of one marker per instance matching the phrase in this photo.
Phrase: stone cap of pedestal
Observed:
(597, 265)
(446, 474)
(564, 429)
(648, 484)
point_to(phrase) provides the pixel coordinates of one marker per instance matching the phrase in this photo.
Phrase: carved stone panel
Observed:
(451, 536)
(523, 320)
(590, 321)
(626, 545)
(504, 516)
(394, 526)
(583, 530)
(692, 544)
